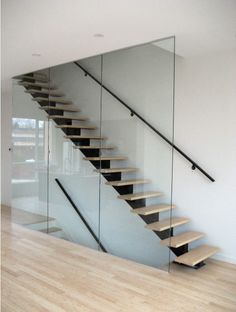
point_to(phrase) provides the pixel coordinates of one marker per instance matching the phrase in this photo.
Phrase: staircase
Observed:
(54, 104)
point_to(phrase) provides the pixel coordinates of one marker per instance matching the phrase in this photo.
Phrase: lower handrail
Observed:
(80, 215)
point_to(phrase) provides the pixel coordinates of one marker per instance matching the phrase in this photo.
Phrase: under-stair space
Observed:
(51, 100)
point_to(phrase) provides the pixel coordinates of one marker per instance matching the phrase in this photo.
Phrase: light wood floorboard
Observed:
(41, 273)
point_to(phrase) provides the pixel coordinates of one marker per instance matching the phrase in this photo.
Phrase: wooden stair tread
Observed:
(67, 117)
(51, 230)
(166, 224)
(93, 147)
(197, 255)
(32, 78)
(105, 158)
(148, 210)
(52, 99)
(49, 92)
(127, 182)
(139, 195)
(89, 127)
(37, 84)
(84, 137)
(113, 170)
(65, 109)
(181, 239)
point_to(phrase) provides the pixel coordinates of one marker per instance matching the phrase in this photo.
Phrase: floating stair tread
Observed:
(52, 99)
(65, 109)
(49, 92)
(76, 127)
(37, 84)
(197, 255)
(94, 147)
(166, 224)
(127, 182)
(140, 195)
(105, 158)
(113, 170)
(148, 210)
(84, 137)
(181, 239)
(67, 117)
(32, 78)
(52, 229)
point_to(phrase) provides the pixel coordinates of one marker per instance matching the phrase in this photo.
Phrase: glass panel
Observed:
(142, 77)
(30, 153)
(70, 173)
(74, 174)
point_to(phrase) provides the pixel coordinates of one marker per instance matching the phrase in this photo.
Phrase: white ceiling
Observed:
(63, 30)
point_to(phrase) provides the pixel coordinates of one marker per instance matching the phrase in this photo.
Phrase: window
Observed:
(29, 148)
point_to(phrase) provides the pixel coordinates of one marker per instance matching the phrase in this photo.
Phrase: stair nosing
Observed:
(127, 182)
(140, 195)
(88, 127)
(171, 223)
(169, 242)
(112, 170)
(114, 158)
(156, 209)
(31, 78)
(92, 147)
(52, 99)
(181, 259)
(66, 109)
(45, 92)
(84, 137)
(67, 117)
(37, 84)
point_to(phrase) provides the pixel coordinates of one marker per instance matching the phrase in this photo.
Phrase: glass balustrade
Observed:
(92, 162)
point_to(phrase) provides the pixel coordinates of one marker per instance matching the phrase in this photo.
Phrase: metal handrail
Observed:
(80, 215)
(134, 113)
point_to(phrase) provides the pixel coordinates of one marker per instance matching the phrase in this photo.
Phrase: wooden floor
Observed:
(43, 273)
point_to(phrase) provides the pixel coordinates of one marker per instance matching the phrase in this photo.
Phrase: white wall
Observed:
(205, 127)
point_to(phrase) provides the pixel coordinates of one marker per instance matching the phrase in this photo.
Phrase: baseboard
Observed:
(224, 258)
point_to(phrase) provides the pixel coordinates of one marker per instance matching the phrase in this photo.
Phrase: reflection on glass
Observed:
(29, 157)
(28, 139)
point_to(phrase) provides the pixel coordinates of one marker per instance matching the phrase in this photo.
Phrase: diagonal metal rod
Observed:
(80, 215)
(133, 112)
